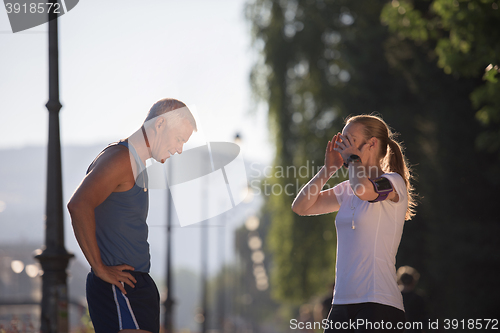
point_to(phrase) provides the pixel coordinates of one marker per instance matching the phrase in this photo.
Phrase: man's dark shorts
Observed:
(111, 311)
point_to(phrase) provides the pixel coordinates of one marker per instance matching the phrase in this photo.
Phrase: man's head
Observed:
(169, 125)
(173, 110)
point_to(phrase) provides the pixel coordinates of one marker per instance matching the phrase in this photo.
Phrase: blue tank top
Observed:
(121, 229)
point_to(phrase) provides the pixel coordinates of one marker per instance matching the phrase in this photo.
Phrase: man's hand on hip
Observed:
(116, 275)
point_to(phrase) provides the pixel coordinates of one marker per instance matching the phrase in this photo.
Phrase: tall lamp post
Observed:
(204, 264)
(169, 301)
(54, 259)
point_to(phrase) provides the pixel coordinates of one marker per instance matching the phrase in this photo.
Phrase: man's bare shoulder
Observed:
(114, 157)
(110, 172)
(112, 168)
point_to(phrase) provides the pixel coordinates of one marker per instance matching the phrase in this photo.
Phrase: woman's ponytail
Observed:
(394, 160)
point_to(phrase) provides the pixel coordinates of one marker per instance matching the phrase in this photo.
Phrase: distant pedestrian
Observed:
(415, 304)
(108, 212)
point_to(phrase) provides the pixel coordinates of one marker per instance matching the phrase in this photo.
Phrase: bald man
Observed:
(108, 212)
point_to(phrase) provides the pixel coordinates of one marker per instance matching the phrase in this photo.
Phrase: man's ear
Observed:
(160, 124)
(373, 142)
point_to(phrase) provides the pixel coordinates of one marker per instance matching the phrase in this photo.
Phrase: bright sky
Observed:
(118, 57)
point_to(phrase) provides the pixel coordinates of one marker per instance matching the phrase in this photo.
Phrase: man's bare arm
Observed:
(112, 172)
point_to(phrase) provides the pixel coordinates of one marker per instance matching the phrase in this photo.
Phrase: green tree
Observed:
(465, 36)
(461, 37)
(323, 60)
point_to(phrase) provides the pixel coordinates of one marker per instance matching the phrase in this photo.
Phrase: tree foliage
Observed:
(465, 36)
(323, 60)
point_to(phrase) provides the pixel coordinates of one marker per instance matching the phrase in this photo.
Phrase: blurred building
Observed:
(21, 287)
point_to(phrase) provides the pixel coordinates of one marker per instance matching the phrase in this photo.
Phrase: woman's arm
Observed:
(311, 200)
(359, 182)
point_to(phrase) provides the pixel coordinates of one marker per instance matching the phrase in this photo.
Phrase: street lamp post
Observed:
(222, 282)
(54, 259)
(204, 265)
(169, 301)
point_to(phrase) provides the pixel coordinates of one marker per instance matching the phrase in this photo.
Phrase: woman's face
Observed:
(356, 132)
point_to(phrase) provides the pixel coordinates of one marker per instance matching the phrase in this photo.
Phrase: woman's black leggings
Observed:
(365, 317)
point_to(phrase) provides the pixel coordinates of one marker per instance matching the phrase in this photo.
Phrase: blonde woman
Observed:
(372, 208)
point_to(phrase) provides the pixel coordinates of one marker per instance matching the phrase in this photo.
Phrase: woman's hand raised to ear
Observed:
(333, 159)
